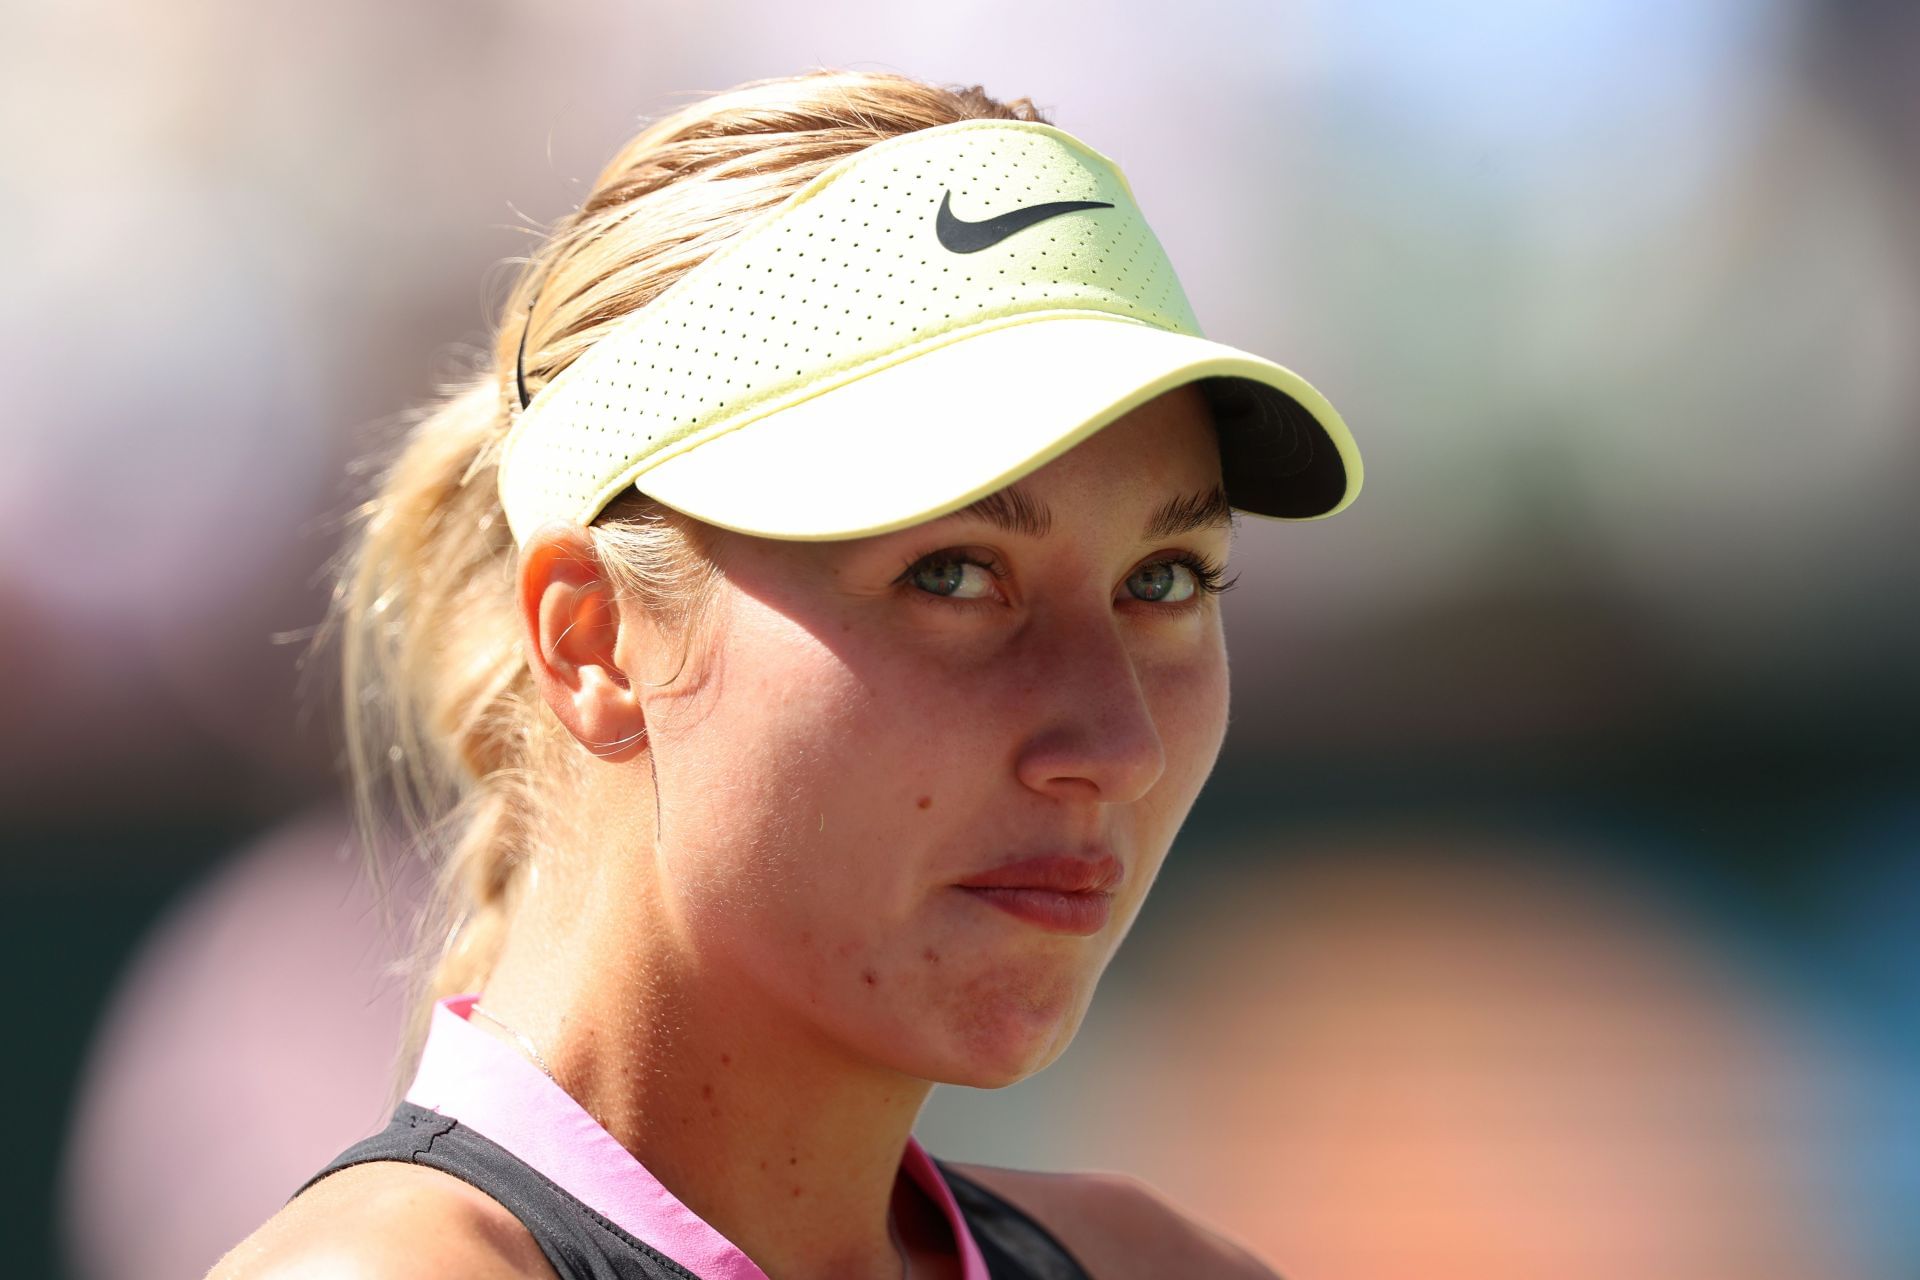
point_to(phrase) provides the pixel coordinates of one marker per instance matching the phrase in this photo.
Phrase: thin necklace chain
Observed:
(893, 1231)
(525, 1043)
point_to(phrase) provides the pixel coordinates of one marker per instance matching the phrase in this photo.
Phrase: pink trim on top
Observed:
(488, 1085)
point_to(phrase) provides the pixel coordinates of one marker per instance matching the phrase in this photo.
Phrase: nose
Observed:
(1096, 738)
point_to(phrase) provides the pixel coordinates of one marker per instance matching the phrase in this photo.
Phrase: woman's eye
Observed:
(952, 577)
(1163, 582)
(961, 576)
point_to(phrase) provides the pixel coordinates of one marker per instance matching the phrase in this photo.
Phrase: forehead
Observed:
(1164, 454)
(1016, 509)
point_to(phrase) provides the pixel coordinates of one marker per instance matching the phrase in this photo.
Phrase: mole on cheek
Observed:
(869, 977)
(925, 802)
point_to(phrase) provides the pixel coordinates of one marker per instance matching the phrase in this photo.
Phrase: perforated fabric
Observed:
(838, 344)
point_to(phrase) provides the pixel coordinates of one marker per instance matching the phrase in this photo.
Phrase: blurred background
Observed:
(1552, 911)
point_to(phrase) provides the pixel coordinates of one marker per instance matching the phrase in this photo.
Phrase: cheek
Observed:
(1188, 698)
(806, 784)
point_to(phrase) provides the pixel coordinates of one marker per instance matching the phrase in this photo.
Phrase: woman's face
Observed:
(877, 720)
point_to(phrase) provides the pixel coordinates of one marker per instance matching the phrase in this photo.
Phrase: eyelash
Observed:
(1209, 577)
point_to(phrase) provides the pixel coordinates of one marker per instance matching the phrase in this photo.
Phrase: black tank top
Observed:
(581, 1244)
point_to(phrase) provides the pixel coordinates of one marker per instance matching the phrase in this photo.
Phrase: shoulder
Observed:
(386, 1220)
(1119, 1226)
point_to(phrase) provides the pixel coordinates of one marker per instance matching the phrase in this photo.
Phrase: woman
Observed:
(812, 613)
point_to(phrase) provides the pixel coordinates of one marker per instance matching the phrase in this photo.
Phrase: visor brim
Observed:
(926, 435)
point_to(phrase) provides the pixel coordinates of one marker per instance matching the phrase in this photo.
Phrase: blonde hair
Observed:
(440, 710)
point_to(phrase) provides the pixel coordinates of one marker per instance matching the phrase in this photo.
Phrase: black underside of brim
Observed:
(1276, 458)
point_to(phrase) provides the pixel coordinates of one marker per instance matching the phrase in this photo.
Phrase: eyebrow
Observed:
(1017, 511)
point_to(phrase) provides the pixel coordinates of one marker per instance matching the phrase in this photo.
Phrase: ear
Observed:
(570, 625)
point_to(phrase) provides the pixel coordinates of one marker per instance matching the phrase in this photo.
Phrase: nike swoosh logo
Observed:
(971, 237)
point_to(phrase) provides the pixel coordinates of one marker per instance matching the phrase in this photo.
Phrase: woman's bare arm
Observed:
(1119, 1227)
(387, 1220)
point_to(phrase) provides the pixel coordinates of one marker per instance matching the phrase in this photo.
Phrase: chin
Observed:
(997, 1075)
(1006, 1037)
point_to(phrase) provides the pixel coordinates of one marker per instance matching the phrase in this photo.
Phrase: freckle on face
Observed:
(926, 802)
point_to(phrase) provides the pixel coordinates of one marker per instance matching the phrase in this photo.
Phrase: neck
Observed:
(788, 1148)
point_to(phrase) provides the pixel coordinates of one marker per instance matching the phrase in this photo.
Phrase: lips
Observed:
(1061, 893)
(1059, 872)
